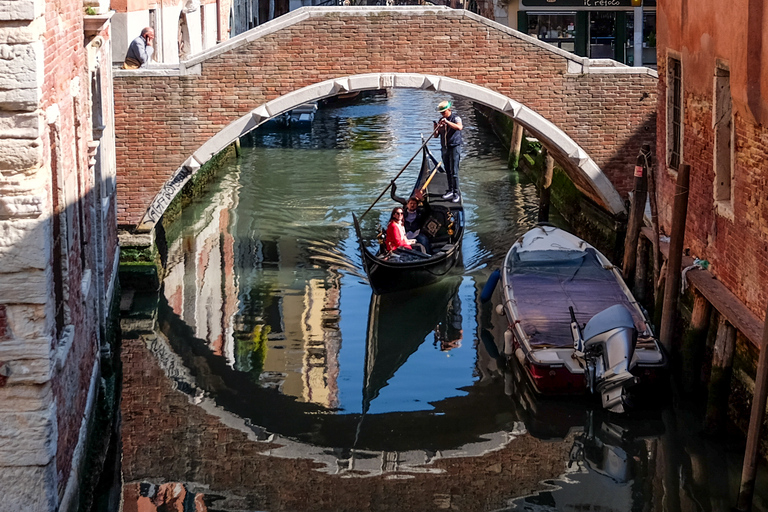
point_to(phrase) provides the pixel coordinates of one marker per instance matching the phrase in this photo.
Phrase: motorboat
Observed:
(573, 323)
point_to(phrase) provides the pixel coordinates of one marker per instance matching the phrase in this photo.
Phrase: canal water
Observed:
(265, 375)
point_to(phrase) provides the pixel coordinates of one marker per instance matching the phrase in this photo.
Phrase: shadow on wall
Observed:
(57, 340)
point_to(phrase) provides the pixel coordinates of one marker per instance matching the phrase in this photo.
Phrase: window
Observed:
(557, 28)
(59, 249)
(723, 128)
(674, 113)
(157, 54)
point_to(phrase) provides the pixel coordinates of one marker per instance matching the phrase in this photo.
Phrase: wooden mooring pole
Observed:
(654, 225)
(641, 271)
(675, 260)
(515, 145)
(720, 378)
(636, 214)
(694, 342)
(546, 186)
(749, 470)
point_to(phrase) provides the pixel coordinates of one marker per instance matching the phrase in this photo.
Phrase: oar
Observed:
(420, 193)
(398, 174)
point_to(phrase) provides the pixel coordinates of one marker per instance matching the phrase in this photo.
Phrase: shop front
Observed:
(598, 29)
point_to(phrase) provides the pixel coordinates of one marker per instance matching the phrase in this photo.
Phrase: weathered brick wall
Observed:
(45, 131)
(162, 120)
(736, 244)
(67, 82)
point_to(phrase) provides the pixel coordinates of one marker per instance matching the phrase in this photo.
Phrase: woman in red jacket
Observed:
(396, 233)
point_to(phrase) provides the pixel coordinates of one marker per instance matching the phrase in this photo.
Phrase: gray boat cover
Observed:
(544, 289)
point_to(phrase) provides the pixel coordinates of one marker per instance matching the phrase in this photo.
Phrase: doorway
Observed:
(602, 35)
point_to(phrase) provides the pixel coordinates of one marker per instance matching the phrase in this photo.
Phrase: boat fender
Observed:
(500, 310)
(490, 286)
(520, 356)
(509, 347)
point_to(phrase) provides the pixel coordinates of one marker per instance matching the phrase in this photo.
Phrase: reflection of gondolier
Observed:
(449, 128)
(449, 332)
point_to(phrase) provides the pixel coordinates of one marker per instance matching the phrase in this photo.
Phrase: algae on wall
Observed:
(586, 219)
(150, 255)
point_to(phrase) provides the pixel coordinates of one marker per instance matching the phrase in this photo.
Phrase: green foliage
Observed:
(531, 147)
(136, 255)
(251, 350)
(90, 11)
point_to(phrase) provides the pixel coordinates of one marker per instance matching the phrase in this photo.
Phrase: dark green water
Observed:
(267, 329)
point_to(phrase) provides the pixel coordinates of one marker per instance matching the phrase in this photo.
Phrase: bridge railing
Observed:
(470, 5)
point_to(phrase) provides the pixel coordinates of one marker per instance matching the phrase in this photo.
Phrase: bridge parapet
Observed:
(593, 115)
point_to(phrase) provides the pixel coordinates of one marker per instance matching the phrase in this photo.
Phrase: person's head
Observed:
(412, 204)
(445, 108)
(148, 33)
(397, 214)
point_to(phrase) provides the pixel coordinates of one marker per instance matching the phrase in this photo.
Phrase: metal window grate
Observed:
(676, 111)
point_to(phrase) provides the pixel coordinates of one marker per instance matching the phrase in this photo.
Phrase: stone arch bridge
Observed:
(592, 115)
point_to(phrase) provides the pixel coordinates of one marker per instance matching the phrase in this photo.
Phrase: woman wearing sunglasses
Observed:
(396, 233)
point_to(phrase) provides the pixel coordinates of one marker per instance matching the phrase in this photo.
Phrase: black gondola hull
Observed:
(386, 278)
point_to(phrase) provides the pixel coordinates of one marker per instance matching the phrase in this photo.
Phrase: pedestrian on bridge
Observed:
(140, 51)
(449, 129)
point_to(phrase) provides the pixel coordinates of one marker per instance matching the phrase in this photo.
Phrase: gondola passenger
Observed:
(413, 219)
(396, 237)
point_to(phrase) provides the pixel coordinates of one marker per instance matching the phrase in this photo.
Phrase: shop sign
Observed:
(577, 3)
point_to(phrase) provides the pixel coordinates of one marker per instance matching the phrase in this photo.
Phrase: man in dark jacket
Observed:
(413, 218)
(449, 129)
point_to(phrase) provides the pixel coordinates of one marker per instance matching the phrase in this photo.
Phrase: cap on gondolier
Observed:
(443, 106)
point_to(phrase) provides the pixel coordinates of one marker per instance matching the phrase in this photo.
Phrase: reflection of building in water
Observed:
(199, 283)
(222, 280)
(322, 341)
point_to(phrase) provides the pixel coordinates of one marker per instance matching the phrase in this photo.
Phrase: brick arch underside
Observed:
(584, 119)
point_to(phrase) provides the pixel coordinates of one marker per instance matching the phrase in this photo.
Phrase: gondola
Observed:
(444, 225)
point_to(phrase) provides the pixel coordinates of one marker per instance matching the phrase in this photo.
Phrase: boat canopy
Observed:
(547, 243)
(545, 286)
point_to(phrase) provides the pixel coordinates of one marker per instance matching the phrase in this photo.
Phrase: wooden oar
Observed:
(398, 174)
(420, 193)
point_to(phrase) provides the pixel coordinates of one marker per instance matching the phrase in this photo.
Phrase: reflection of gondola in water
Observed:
(398, 323)
(444, 226)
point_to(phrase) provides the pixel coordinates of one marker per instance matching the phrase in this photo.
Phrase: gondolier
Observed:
(449, 129)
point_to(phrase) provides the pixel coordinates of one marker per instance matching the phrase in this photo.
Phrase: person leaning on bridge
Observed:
(140, 51)
(449, 129)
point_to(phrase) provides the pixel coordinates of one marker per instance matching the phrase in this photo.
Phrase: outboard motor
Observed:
(607, 344)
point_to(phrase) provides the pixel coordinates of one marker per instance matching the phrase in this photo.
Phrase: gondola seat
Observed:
(436, 224)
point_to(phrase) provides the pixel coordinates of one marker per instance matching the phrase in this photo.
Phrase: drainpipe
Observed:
(638, 39)
(218, 21)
